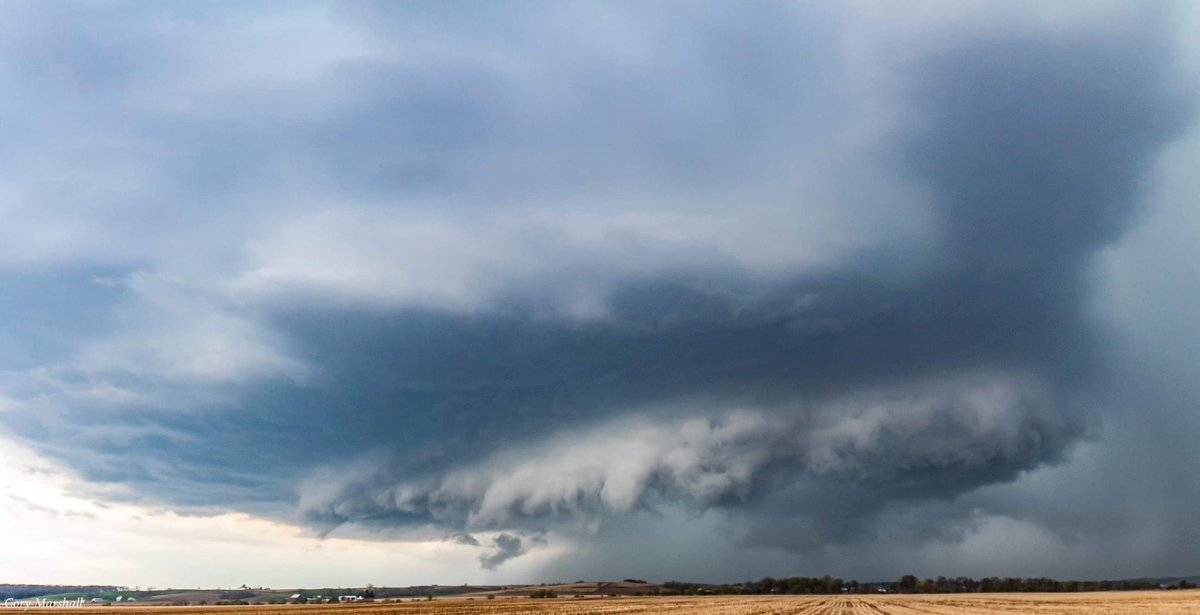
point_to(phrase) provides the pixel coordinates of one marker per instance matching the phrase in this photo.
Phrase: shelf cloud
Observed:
(512, 278)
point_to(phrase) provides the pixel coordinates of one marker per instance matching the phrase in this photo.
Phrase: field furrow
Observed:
(1106, 603)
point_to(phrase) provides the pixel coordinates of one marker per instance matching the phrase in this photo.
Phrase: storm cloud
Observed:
(428, 279)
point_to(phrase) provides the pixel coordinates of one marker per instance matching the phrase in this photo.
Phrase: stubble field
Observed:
(953, 604)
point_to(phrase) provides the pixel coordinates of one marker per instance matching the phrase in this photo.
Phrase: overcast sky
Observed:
(334, 294)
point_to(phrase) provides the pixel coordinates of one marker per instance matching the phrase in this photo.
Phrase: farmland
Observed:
(1114, 603)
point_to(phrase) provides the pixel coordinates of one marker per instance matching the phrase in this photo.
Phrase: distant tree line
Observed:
(910, 584)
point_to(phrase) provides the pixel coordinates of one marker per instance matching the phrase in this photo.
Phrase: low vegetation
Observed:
(910, 584)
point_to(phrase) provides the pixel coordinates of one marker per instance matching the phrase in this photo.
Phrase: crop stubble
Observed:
(1105, 603)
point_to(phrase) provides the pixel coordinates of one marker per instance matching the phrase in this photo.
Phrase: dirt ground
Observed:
(951, 604)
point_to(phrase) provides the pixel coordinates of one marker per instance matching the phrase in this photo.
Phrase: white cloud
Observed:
(904, 432)
(175, 333)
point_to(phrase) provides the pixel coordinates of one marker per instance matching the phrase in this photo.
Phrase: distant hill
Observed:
(179, 596)
(582, 588)
(627, 587)
(14, 591)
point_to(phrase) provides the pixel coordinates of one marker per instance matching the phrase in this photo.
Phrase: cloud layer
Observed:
(414, 273)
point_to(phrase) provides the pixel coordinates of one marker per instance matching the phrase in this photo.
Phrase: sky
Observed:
(317, 294)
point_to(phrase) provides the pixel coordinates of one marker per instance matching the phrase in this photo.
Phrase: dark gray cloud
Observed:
(507, 546)
(453, 281)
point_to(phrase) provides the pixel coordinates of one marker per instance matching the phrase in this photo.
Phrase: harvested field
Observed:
(1114, 603)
